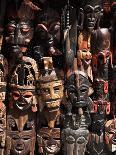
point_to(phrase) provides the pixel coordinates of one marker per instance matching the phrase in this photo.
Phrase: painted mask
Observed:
(85, 56)
(51, 86)
(22, 85)
(19, 33)
(110, 134)
(77, 89)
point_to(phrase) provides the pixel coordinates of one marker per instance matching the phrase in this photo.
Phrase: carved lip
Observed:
(114, 140)
(21, 105)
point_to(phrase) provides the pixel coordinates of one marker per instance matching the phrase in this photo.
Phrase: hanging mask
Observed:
(51, 86)
(77, 89)
(92, 15)
(85, 56)
(110, 134)
(22, 85)
(19, 33)
(20, 141)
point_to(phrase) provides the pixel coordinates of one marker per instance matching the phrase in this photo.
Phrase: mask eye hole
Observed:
(45, 90)
(16, 94)
(28, 95)
(83, 89)
(15, 137)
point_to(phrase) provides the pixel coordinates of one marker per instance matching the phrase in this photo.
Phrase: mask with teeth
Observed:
(21, 135)
(51, 86)
(22, 85)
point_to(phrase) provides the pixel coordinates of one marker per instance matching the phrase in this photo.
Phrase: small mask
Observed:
(85, 56)
(22, 84)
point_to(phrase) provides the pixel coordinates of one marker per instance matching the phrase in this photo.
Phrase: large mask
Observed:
(110, 134)
(20, 141)
(22, 85)
(77, 89)
(92, 12)
(19, 33)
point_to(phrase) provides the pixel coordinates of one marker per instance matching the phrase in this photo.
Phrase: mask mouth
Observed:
(52, 146)
(22, 105)
(53, 103)
(114, 140)
(87, 61)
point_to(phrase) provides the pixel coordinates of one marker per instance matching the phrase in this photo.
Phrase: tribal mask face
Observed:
(19, 33)
(77, 89)
(51, 86)
(22, 85)
(92, 16)
(85, 56)
(21, 142)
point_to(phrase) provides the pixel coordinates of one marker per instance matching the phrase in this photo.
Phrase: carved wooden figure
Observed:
(101, 63)
(21, 117)
(90, 16)
(74, 135)
(50, 99)
(3, 78)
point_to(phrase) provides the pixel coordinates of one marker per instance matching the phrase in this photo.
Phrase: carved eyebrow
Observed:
(97, 7)
(88, 7)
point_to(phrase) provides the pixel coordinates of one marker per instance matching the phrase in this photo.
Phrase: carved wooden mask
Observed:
(22, 85)
(77, 89)
(92, 12)
(19, 33)
(20, 140)
(51, 86)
